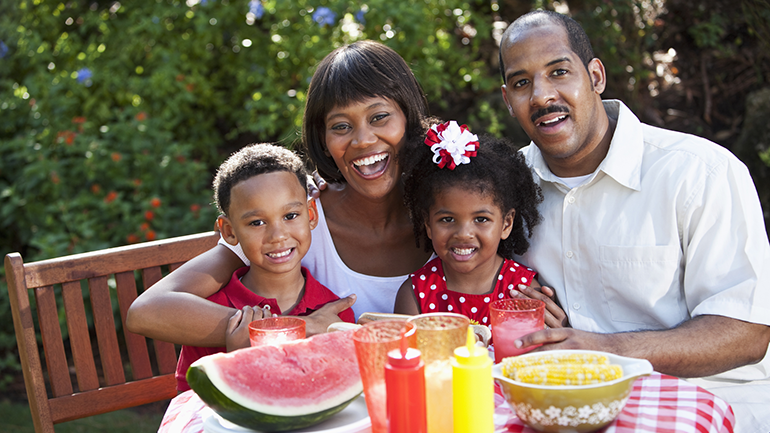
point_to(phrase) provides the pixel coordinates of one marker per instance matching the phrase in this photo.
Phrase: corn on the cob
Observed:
(510, 365)
(568, 374)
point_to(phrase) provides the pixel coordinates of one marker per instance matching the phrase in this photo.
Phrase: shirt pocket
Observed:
(641, 284)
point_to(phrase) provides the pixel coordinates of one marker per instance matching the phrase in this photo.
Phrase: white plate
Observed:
(353, 419)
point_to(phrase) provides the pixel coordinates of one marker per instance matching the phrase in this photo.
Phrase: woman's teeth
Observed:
(463, 251)
(281, 254)
(369, 160)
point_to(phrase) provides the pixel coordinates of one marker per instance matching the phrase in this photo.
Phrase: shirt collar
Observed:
(624, 158)
(313, 297)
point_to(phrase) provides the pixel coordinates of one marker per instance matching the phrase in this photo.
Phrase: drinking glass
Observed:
(373, 341)
(438, 335)
(511, 319)
(273, 330)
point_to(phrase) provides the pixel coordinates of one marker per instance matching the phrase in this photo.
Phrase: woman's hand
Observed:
(315, 184)
(237, 336)
(318, 321)
(555, 317)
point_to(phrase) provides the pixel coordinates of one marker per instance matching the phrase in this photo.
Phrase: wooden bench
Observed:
(110, 278)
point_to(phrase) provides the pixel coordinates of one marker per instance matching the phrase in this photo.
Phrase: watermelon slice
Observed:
(276, 388)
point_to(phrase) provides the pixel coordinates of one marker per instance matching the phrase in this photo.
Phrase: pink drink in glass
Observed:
(511, 319)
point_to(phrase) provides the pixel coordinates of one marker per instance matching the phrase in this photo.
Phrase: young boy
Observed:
(261, 194)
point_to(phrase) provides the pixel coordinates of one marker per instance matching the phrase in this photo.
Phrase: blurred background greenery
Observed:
(113, 116)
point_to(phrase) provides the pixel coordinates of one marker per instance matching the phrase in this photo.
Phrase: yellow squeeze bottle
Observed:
(473, 391)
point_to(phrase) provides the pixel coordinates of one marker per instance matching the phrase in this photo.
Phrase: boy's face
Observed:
(271, 218)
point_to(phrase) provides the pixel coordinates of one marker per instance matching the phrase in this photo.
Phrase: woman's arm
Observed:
(406, 302)
(175, 309)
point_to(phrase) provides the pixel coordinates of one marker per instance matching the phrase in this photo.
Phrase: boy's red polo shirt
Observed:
(236, 295)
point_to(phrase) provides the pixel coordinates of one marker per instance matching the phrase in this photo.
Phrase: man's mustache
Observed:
(548, 110)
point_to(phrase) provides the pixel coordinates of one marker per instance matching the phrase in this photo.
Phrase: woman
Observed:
(363, 101)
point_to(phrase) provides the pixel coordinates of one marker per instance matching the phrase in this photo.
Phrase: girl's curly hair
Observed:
(498, 169)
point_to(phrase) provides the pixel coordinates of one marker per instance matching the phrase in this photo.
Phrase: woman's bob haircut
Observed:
(353, 73)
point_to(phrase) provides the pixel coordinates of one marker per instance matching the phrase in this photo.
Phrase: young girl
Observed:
(472, 202)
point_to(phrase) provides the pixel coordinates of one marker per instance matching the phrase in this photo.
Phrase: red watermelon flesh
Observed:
(295, 378)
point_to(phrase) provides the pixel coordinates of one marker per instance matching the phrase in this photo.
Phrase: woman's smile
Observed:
(373, 165)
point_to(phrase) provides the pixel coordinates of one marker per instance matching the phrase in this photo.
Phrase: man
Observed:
(653, 241)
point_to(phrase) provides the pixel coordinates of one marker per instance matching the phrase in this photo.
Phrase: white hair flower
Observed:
(452, 144)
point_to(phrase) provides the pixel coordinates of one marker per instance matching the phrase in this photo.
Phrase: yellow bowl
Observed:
(572, 408)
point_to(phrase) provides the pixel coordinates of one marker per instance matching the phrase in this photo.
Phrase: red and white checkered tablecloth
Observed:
(658, 403)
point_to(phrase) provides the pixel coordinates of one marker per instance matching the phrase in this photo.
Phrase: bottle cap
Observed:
(470, 354)
(405, 356)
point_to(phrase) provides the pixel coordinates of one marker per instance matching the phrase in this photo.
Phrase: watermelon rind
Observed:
(244, 417)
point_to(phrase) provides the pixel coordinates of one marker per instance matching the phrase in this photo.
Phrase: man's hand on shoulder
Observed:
(555, 317)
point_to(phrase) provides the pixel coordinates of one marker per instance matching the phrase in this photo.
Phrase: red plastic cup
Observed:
(511, 319)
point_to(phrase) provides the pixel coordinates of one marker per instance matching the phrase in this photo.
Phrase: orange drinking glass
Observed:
(373, 341)
(273, 330)
(511, 319)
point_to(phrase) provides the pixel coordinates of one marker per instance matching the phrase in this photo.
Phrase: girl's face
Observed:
(466, 227)
(364, 138)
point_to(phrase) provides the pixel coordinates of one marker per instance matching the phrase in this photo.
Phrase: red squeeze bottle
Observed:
(405, 390)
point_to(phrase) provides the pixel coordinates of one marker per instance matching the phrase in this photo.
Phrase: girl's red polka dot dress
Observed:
(429, 285)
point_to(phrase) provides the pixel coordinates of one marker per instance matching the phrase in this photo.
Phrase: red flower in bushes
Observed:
(141, 116)
(95, 188)
(155, 202)
(111, 196)
(132, 238)
(137, 182)
(194, 208)
(116, 156)
(150, 235)
(180, 77)
(144, 227)
(149, 215)
(55, 177)
(79, 120)
(67, 136)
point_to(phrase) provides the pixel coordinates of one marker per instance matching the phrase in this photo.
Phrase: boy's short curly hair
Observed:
(250, 161)
(498, 169)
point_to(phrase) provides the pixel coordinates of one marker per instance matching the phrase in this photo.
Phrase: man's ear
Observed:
(226, 229)
(508, 224)
(597, 75)
(312, 213)
(503, 88)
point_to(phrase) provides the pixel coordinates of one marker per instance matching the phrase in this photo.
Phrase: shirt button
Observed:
(569, 254)
(571, 200)
(576, 306)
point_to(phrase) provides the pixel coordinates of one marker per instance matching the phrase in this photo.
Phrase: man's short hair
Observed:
(578, 39)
